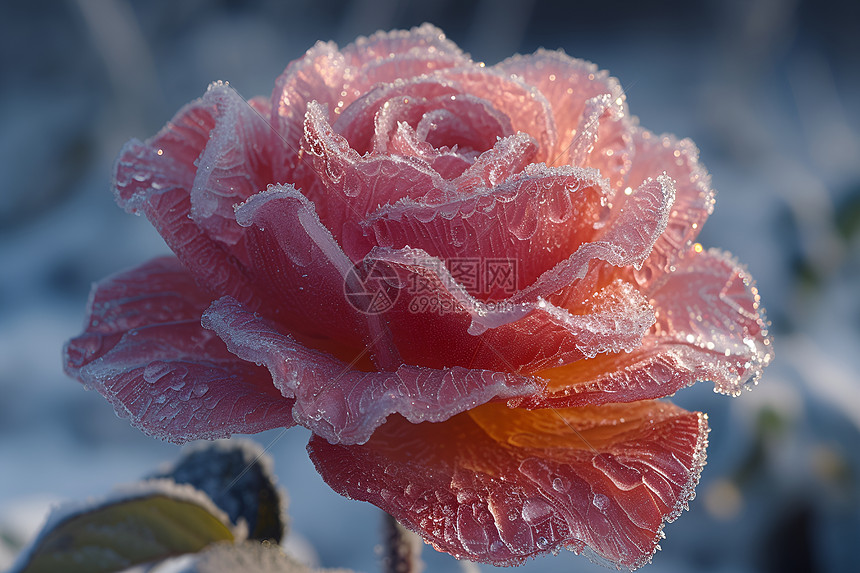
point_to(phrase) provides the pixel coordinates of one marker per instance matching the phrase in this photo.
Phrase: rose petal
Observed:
(534, 220)
(694, 197)
(298, 261)
(710, 326)
(527, 108)
(425, 40)
(497, 486)
(336, 79)
(155, 178)
(636, 222)
(435, 323)
(345, 405)
(509, 156)
(462, 121)
(569, 85)
(317, 76)
(447, 163)
(357, 122)
(353, 185)
(399, 54)
(234, 165)
(145, 351)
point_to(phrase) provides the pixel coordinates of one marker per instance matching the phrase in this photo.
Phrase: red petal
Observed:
(694, 197)
(155, 178)
(345, 405)
(709, 326)
(355, 185)
(436, 323)
(145, 351)
(234, 165)
(497, 485)
(299, 263)
(534, 220)
(569, 85)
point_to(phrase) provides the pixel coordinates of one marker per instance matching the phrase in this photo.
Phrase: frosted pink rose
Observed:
(525, 418)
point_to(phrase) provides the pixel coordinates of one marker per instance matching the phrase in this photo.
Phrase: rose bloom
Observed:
(471, 283)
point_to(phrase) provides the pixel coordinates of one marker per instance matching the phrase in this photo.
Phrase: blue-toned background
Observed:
(768, 89)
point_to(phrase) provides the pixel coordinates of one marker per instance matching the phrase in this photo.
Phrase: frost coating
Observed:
(145, 351)
(113, 531)
(501, 486)
(344, 405)
(398, 158)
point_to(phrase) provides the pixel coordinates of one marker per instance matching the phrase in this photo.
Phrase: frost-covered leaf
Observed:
(238, 476)
(147, 522)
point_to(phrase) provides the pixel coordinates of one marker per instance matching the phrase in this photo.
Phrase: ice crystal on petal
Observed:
(440, 268)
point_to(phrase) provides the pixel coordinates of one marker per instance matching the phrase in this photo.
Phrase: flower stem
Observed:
(401, 548)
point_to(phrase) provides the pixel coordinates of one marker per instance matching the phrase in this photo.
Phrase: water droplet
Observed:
(559, 485)
(601, 502)
(155, 371)
(536, 510)
(559, 207)
(542, 542)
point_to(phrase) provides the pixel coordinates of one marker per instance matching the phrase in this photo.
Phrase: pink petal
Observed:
(316, 76)
(155, 178)
(336, 79)
(447, 163)
(344, 405)
(299, 263)
(498, 486)
(425, 40)
(694, 197)
(508, 157)
(234, 164)
(144, 350)
(525, 106)
(434, 314)
(534, 220)
(710, 326)
(569, 85)
(352, 186)
(461, 121)
(621, 247)
(357, 122)
(435, 323)
(387, 56)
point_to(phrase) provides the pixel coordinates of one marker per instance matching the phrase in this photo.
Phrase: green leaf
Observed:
(156, 520)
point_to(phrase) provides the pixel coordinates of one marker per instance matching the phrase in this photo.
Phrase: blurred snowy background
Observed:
(768, 89)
